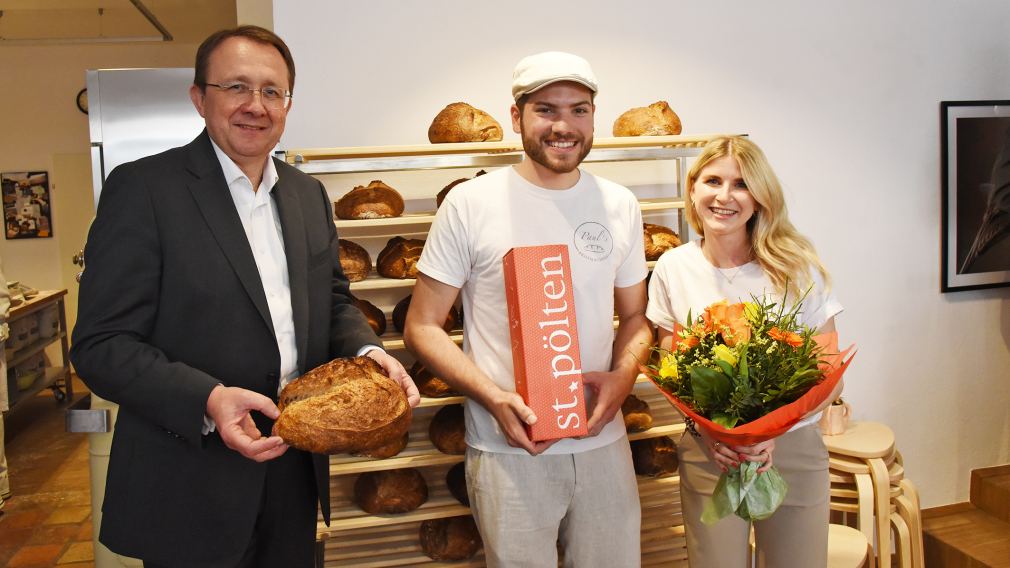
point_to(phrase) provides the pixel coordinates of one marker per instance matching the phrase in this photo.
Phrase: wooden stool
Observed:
(848, 548)
(865, 450)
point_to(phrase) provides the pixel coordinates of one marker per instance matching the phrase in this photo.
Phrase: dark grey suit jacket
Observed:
(171, 304)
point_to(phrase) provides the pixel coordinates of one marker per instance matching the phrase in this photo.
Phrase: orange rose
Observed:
(686, 343)
(737, 326)
(728, 320)
(787, 337)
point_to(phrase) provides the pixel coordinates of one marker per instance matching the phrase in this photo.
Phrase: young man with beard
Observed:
(525, 495)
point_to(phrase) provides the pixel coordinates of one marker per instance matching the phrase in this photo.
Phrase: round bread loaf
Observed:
(354, 260)
(347, 405)
(455, 480)
(657, 119)
(376, 318)
(390, 491)
(428, 384)
(445, 190)
(637, 415)
(447, 430)
(374, 201)
(386, 451)
(398, 259)
(654, 457)
(400, 315)
(460, 122)
(658, 239)
(450, 539)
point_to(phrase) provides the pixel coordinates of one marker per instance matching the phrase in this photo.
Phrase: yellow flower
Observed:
(726, 354)
(668, 367)
(750, 309)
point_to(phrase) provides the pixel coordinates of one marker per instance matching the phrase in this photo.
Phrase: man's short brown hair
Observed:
(254, 33)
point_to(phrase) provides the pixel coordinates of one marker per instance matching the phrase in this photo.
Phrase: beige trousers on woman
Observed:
(795, 536)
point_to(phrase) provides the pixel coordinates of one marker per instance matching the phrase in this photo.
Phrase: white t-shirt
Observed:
(482, 219)
(684, 279)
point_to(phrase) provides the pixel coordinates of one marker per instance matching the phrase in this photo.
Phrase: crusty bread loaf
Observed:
(654, 457)
(657, 119)
(455, 480)
(658, 239)
(398, 259)
(386, 451)
(447, 430)
(354, 260)
(452, 319)
(374, 201)
(445, 190)
(428, 384)
(376, 318)
(450, 539)
(637, 415)
(390, 491)
(346, 405)
(460, 122)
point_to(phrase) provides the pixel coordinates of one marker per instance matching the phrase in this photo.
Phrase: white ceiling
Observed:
(99, 21)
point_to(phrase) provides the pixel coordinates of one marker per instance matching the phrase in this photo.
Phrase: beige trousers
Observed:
(525, 505)
(795, 536)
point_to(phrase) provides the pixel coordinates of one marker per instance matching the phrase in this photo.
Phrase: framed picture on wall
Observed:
(975, 162)
(27, 213)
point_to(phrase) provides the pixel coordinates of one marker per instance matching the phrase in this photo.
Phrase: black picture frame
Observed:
(975, 206)
(27, 205)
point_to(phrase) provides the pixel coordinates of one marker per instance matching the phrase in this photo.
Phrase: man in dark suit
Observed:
(212, 280)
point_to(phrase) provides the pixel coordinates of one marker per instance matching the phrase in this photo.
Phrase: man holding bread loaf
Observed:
(527, 495)
(213, 280)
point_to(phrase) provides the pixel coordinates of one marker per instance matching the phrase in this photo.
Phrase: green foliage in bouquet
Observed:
(739, 362)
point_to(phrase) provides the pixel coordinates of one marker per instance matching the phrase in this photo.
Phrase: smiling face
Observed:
(556, 124)
(245, 130)
(721, 199)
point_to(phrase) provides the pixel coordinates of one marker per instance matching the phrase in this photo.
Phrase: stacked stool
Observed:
(868, 485)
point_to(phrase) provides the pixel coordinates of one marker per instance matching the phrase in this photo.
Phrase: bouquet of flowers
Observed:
(747, 372)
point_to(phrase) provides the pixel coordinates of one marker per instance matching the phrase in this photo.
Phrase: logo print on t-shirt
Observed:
(593, 241)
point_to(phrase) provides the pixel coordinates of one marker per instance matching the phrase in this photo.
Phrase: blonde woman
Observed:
(747, 247)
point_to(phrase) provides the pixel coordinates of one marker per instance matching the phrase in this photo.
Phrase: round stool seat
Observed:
(847, 547)
(862, 440)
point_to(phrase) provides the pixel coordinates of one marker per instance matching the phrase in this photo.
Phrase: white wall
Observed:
(43, 130)
(844, 98)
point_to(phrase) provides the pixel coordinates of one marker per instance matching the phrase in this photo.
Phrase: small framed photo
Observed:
(27, 212)
(975, 163)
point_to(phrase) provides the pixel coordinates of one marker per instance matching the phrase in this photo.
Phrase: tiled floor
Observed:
(47, 520)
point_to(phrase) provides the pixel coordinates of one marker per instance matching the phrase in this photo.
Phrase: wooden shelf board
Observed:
(501, 147)
(21, 355)
(41, 300)
(377, 282)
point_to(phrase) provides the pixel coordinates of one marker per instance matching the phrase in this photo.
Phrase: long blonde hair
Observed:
(784, 254)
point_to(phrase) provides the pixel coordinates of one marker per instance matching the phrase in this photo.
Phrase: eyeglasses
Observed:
(271, 97)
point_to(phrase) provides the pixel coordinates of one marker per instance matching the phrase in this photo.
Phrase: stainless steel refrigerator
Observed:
(135, 113)
(132, 113)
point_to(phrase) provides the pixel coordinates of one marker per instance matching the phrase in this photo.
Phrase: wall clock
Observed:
(82, 100)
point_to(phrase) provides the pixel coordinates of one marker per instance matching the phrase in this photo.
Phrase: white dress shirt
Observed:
(258, 212)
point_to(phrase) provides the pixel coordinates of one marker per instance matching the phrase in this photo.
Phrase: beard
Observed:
(536, 149)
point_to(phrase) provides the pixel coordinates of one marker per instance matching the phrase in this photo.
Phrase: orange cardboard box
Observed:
(545, 340)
